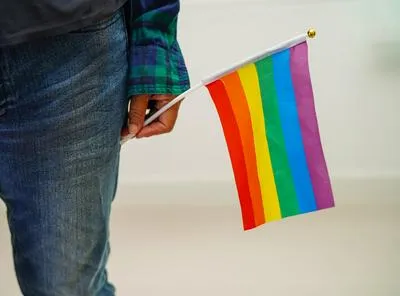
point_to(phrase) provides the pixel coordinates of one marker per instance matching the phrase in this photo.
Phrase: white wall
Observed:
(355, 67)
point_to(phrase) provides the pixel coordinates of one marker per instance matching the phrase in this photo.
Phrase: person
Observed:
(74, 76)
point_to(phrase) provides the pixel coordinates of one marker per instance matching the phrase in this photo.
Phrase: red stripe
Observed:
(232, 136)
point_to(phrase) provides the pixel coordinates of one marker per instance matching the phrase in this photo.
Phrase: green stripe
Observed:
(276, 142)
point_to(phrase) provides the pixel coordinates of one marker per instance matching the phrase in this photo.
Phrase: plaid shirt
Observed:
(156, 62)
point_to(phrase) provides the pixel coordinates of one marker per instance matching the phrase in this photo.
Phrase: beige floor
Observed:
(183, 250)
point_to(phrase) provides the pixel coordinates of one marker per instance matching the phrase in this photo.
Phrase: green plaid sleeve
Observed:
(157, 65)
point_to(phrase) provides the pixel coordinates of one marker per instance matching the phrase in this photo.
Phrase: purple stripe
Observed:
(309, 127)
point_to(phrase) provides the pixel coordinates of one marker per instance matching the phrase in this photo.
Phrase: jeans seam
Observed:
(126, 37)
(7, 89)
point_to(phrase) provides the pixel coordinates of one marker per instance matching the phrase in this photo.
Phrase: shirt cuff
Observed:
(155, 69)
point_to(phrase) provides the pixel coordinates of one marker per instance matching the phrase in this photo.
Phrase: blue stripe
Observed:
(292, 132)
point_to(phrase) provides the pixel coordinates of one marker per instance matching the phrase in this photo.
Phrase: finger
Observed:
(124, 132)
(163, 97)
(170, 115)
(166, 121)
(158, 101)
(153, 129)
(164, 124)
(137, 113)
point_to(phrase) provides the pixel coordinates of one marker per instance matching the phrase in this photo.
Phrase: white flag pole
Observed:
(279, 47)
(266, 53)
(173, 102)
(165, 108)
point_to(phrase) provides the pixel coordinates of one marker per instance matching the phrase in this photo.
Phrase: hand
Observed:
(139, 106)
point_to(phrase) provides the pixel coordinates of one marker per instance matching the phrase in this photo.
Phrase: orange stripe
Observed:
(236, 94)
(232, 136)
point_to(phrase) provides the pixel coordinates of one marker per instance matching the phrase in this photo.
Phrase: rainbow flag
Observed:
(266, 108)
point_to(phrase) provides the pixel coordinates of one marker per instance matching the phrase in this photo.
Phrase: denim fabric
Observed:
(62, 106)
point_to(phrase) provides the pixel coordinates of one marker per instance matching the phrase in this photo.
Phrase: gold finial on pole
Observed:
(311, 33)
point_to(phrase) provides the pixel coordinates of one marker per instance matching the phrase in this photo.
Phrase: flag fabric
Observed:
(267, 112)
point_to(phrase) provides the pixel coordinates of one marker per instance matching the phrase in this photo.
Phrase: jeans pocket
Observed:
(100, 25)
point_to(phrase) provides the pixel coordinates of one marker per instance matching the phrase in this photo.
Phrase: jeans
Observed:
(62, 106)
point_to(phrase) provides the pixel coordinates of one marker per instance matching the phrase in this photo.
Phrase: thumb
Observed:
(137, 113)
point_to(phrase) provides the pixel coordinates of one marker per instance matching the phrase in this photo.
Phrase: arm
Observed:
(156, 62)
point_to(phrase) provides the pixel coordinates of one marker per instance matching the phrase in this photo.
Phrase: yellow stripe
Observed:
(249, 77)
